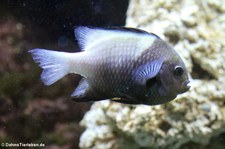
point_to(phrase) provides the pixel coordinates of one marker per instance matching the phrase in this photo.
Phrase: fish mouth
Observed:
(187, 85)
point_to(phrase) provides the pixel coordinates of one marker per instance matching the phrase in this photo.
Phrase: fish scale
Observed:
(109, 80)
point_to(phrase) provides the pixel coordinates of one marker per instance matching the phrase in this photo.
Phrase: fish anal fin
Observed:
(83, 92)
(81, 89)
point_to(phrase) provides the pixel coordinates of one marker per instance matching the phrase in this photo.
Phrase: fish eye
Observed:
(178, 71)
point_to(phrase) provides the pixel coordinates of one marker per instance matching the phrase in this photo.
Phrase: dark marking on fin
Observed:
(112, 28)
(133, 30)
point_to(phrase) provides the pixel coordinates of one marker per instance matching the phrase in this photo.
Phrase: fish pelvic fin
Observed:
(126, 99)
(55, 64)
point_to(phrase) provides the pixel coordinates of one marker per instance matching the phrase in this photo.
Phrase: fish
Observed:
(125, 65)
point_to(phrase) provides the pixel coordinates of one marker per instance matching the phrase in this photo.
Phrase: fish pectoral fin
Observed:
(147, 71)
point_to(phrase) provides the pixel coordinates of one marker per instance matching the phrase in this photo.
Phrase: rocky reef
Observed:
(195, 119)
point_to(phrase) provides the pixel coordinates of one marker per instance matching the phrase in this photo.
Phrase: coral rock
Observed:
(196, 118)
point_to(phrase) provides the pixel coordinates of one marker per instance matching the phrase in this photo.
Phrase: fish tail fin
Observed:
(55, 64)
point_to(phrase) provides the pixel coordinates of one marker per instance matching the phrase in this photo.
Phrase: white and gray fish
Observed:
(126, 65)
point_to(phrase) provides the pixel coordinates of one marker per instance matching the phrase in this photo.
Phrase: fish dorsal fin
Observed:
(147, 71)
(87, 36)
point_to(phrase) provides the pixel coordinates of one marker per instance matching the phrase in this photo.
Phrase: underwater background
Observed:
(33, 113)
(30, 112)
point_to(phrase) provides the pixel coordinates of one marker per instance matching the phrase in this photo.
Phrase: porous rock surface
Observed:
(196, 28)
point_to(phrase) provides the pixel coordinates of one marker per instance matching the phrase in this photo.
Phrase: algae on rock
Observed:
(196, 28)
